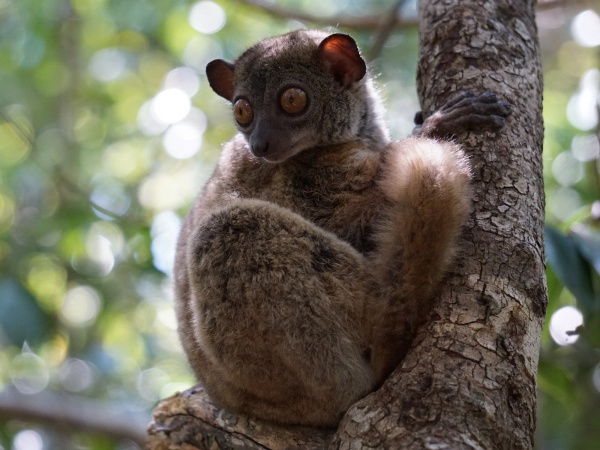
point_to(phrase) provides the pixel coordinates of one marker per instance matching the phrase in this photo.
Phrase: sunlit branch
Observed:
(372, 22)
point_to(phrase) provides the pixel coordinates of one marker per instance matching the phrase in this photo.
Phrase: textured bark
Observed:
(190, 421)
(470, 379)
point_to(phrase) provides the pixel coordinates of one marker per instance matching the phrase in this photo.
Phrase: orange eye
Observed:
(242, 111)
(293, 100)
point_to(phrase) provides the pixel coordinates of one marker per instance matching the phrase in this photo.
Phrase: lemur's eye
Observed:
(293, 100)
(242, 111)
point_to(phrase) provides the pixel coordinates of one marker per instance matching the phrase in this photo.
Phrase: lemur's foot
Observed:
(467, 111)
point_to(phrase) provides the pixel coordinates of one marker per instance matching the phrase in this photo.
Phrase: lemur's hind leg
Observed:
(279, 310)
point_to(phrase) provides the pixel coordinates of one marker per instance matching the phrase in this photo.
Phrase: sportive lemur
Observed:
(313, 253)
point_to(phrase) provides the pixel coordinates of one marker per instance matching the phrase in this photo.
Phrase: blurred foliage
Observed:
(569, 374)
(108, 129)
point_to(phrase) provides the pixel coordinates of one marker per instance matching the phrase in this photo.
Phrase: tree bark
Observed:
(469, 380)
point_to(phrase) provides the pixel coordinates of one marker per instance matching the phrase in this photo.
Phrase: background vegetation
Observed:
(108, 129)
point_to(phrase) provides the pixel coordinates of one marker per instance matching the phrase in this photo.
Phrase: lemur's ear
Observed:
(220, 78)
(341, 56)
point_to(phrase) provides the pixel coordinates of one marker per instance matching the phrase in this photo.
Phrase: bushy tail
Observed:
(428, 185)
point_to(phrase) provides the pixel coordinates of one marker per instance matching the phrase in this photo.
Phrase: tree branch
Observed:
(368, 23)
(365, 23)
(383, 34)
(177, 421)
(73, 414)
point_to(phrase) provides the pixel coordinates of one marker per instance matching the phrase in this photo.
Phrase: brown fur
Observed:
(299, 285)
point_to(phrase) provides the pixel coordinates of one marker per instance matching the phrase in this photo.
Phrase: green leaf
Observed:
(587, 241)
(555, 381)
(21, 319)
(571, 268)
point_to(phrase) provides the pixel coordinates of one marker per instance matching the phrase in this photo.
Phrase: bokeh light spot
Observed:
(585, 148)
(171, 105)
(108, 64)
(104, 242)
(29, 373)
(80, 306)
(184, 139)
(207, 17)
(148, 123)
(76, 375)
(183, 78)
(173, 189)
(582, 109)
(564, 202)
(166, 317)
(125, 160)
(28, 440)
(47, 280)
(563, 324)
(586, 28)
(164, 231)
(567, 170)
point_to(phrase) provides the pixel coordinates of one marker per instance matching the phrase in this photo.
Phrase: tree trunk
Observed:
(469, 380)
